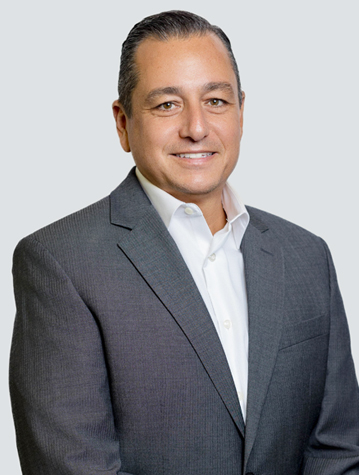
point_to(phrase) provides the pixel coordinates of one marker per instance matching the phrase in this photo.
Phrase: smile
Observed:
(194, 155)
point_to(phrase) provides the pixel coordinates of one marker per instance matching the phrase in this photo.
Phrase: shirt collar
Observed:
(237, 214)
(166, 205)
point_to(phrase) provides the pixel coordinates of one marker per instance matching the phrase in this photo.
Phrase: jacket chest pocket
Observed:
(304, 331)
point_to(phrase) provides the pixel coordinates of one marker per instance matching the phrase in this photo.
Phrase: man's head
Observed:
(186, 112)
(164, 26)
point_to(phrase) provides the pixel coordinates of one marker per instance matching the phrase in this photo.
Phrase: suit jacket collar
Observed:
(144, 239)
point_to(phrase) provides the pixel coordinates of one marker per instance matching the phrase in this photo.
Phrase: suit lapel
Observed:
(144, 239)
(264, 271)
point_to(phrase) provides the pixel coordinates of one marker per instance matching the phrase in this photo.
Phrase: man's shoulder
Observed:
(287, 233)
(92, 216)
(264, 219)
(72, 233)
(90, 223)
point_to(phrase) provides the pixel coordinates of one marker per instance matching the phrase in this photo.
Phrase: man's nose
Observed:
(194, 124)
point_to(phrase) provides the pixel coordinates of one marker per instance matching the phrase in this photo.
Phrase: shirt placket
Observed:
(225, 308)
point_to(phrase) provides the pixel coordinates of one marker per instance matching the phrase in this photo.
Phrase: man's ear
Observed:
(242, 109)
(121, 125)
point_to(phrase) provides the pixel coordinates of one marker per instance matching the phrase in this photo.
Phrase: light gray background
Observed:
(59, 150)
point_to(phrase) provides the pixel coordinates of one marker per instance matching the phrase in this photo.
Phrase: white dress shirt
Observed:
(216, 265)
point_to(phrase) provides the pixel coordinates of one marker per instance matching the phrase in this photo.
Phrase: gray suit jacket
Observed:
(116, 367)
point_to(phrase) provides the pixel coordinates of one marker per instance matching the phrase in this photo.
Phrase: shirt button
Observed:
(227, 324)
(188, 210)
(212, 257)
(240, 395)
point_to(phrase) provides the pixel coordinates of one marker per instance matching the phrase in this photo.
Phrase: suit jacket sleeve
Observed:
(58, 380)
(334, 443)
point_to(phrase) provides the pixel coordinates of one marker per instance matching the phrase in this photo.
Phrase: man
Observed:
(167, 329)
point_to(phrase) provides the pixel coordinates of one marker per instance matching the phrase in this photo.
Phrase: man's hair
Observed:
(163, 26)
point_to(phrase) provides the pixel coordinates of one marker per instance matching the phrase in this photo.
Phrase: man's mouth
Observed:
(194, 155)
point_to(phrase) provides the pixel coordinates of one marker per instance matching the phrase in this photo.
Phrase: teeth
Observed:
(194, 155)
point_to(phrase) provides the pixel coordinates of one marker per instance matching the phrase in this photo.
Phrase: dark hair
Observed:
(162, 26)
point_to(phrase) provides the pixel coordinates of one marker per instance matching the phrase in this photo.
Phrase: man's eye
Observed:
(216, 102)
(166, 106)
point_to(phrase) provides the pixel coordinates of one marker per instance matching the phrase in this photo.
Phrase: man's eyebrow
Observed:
(218, 86)
(152, 95)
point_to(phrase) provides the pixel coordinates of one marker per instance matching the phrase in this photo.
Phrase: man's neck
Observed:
(216, 217)
(213, 212)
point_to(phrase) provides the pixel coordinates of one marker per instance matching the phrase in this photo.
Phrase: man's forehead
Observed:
(163, 54)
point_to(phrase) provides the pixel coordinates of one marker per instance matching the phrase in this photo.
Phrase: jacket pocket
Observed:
(303, 331)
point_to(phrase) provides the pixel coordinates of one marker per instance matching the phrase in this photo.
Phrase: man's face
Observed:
(186, 123)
